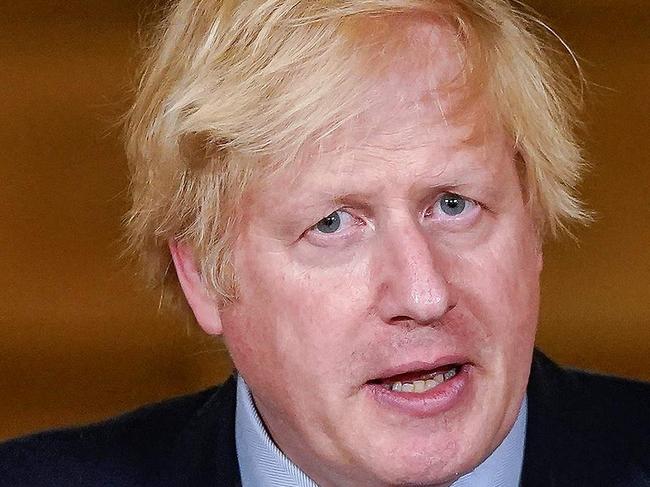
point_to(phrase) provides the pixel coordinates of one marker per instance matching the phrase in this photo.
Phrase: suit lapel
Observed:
(543, 430)
(205, 453)
(568, 442)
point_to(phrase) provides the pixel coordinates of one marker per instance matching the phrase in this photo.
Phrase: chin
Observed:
(421, 471)
(434, 438)
(418, 459)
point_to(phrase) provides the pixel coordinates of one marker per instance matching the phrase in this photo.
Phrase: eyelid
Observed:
(335, 239)
(338, 210)
(472, 203)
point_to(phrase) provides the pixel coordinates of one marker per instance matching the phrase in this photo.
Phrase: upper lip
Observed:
(418, 365)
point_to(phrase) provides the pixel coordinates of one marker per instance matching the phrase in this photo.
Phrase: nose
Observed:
(413, 288)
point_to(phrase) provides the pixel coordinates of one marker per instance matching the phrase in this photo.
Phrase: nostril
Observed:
(412, 323)
(418, 321)
(401, 319)
(414, 299)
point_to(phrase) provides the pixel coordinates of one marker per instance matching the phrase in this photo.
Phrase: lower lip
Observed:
(433, 402)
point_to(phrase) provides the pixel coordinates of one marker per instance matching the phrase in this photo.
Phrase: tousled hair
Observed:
(229, 85)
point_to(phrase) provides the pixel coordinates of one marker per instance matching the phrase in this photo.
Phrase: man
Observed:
(354, 195)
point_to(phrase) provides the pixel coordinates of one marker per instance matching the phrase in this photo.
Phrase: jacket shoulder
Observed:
(598, 406)
(127, 450)
(586, 428)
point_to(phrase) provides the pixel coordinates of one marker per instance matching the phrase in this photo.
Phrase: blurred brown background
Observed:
(79, 337)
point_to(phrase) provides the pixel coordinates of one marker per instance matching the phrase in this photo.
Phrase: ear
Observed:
(196, 293)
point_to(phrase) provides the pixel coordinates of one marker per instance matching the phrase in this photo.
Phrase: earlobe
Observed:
(196, 292)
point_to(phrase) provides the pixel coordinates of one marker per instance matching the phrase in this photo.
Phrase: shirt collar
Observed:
(262, 464)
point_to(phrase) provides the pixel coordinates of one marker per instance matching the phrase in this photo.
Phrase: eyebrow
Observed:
(331, 200)
(334, 200)
(320, 195)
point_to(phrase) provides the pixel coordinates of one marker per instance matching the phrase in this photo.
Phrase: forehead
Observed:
(419, 90)
(417, 70)
(418, 113)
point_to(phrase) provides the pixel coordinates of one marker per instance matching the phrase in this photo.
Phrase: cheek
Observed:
(499, 281)
(291, 314)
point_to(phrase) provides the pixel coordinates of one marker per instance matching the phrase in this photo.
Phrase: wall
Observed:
(79, 337)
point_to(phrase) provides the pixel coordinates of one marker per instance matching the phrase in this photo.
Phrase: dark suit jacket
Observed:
(583, 430)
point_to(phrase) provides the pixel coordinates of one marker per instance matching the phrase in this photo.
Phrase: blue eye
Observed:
(452, 204)
(330, 224)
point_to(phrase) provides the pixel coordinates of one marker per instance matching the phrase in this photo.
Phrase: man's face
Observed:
(389, 289)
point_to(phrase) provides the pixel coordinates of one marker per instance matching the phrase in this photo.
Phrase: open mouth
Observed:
(419, 381)
(424, 389)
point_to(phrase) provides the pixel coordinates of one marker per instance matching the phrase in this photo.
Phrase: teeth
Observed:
(420, 386)
(449, 374)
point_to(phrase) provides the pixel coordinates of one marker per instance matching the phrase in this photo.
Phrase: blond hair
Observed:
(230, 84)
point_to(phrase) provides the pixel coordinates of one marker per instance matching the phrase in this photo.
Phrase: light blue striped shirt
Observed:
(262, 464)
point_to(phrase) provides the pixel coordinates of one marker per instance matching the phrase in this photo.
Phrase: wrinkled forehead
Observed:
(416, 67)
(414, 55)
(417, 94)
(418, 85)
